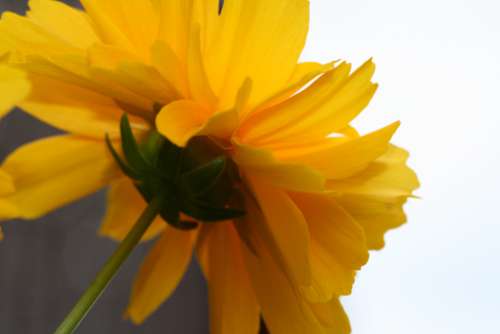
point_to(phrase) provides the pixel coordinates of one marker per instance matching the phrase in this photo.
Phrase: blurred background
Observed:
(439, 73)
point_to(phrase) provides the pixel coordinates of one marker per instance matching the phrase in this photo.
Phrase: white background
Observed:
(439, 73)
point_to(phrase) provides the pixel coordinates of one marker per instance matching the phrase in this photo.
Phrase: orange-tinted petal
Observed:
(283, 228)
(233, 305)
(283, 309)
(338, 246)
(161, 272)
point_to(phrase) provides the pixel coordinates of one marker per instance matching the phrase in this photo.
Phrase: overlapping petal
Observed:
(67, 23)
(375, 197)
(160, 273)
(338, 159)
(252, 39)
(233, 305)
(338, 246)
(327, 106)
(283, 308)
(75, 109)
(132, 25)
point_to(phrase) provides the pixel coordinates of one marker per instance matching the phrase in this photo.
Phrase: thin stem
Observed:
(88, 299)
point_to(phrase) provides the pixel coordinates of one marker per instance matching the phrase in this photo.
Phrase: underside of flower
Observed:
(198, 180)
(224, 124)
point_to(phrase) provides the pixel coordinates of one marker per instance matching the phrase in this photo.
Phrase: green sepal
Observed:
(126, 169)
(171, 213)
(130, 147)
(151, 148)
(206, 213)
(170, 161)
(202, 179)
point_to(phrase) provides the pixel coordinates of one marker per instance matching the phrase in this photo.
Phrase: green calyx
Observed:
(197, 180)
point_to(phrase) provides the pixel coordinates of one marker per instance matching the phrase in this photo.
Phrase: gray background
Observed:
(45, 265)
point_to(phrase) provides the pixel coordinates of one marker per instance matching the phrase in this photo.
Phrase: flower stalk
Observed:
(107, 273)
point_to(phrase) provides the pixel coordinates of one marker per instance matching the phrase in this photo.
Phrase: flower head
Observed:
(317, 195)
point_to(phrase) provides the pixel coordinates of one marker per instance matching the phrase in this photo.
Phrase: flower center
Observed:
(198, 181)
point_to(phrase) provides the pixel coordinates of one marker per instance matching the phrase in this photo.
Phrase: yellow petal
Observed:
(75, 70)
(75, 109)
(387, 176)
(325, 107)
(184, 119)
(344, 158)
(303, 74)
(8, 210)
(21, 36)
(61, 20)
(181, 120)
(164, 59)
(332, 316)
(233, 305)
(52, 172)
(124, 206)
(262, 164)
(175, 23)
(283, 228)
(41, 52)
(142, 79)
(375, 197)
(251, 40)
(160, 273)
(377, 215)
(338, 246)
(14, 87)
(131, 25)
(6, 183)
(283, 309)
(199, 85)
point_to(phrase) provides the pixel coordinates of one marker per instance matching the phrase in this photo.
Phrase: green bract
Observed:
(197, 180)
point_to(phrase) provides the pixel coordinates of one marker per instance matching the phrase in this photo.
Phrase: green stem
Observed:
(88, 299)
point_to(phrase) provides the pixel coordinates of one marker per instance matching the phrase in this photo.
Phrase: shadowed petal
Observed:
(160, 273)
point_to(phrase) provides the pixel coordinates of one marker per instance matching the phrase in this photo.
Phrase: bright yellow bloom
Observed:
(317, 194)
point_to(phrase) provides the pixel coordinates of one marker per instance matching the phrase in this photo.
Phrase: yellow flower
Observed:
(318, 195)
